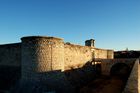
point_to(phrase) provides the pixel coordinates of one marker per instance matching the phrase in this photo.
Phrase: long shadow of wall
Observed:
(81, 76)
(9, 75)
(68, 81)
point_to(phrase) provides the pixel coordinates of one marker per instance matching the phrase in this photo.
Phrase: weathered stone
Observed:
(43, 59)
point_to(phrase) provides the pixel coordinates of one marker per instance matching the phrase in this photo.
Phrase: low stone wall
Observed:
(132, 85)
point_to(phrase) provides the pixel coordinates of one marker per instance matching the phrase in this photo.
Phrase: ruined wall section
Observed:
(77, 56)
(40, 55)
(10, 54)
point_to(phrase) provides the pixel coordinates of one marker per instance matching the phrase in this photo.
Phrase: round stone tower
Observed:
(41, 55)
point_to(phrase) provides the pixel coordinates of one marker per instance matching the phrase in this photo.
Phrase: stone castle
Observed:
(39, 54)
(49, 53)
(44, 59)
(41, 64)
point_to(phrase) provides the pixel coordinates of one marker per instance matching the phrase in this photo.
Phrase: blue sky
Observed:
(114, 24)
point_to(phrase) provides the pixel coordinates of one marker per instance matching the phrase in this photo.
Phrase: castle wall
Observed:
(10, 54)
(99, 53)
(50, 53)
(76, 56)
(10, 59)
(103, 54)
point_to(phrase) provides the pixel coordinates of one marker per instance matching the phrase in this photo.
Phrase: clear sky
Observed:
(114, 24)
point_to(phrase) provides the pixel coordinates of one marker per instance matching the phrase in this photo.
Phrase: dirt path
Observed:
(104, 85)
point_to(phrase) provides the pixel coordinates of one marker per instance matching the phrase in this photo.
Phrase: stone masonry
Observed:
(44, 59)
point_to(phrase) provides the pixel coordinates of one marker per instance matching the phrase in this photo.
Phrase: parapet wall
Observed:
(10, 54)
